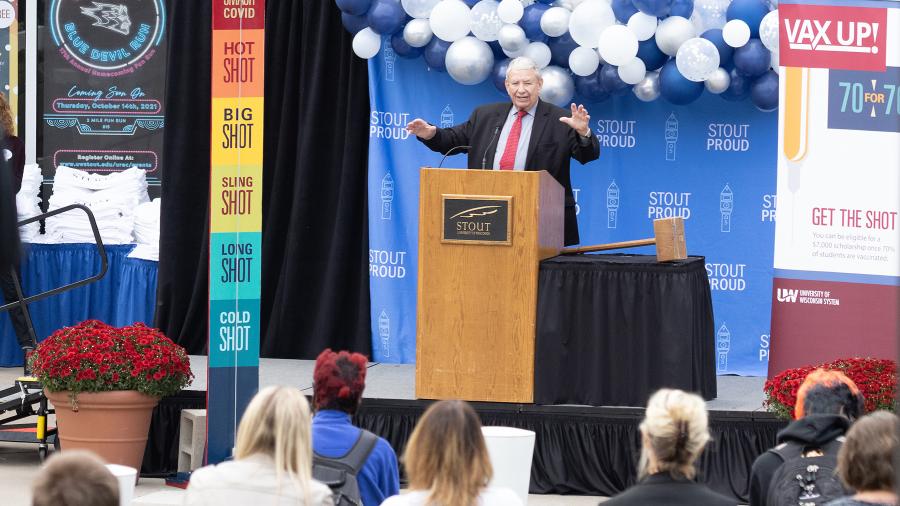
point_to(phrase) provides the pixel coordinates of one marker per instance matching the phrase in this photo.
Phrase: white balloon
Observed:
(418, 8)
(583, 61)
(775, 61)
(366, 43)
(633, 71)
(768, 31)
(736, 33)
(450, 20)
(569, 4)
(718, 82)
(539, 53)
(672, 33)
(555, 21)
(558, 87)
(514, 54)
(512, 38)
(697, 59)
(417, 33)
(588, 21)
(510, 11)
(469, 60)
(618, 45)
(643, 25)
(484, 20)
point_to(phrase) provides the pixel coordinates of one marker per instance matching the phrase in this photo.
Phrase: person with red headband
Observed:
(339, 379)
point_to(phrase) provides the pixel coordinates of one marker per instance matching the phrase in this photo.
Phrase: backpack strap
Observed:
(792, 450)
(353, 460)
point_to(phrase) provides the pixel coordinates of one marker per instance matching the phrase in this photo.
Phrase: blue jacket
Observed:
(333, 435)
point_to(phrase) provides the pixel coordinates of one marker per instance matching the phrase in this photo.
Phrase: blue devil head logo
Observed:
(110, 16)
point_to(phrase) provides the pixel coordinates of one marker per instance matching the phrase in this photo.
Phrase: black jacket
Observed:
(9, 231)
(811, 430)
(551, 146)
(662, 489)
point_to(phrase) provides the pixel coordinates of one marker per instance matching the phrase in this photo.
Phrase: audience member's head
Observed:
(446, 454)
(75, 478)
(339, 380)
(674, 433)
(865, 460)
(825, 392)
(277, 423)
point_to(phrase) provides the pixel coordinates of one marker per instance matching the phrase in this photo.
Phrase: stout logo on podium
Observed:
(476, 219)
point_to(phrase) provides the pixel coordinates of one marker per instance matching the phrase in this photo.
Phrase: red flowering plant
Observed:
(95, 357)
(876, 379)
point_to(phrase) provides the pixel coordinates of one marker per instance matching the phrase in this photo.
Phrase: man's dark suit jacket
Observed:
(551, 146)
(663, 490)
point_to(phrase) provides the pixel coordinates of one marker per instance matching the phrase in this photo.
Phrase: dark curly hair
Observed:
(339, 380)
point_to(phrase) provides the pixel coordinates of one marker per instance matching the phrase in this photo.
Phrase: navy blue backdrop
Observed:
(712, 162)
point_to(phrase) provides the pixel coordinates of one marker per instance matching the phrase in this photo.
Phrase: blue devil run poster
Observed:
(711, 162)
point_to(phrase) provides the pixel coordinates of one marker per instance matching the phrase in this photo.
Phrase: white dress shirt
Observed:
(524, 137)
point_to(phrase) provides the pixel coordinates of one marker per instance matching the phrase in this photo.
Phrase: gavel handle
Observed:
(612, 245)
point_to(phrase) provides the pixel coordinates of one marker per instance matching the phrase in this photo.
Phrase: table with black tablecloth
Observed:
(612, 329)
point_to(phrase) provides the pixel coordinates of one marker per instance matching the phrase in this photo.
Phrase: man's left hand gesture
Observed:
(579, 120)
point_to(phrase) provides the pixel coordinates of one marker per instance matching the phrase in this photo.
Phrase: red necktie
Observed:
(508, 160)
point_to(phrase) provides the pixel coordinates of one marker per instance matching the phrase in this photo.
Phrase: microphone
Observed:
(449, 151)
(484, 158)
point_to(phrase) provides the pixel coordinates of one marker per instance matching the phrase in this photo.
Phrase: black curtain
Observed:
(315, 285)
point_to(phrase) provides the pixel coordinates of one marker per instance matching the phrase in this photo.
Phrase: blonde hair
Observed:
(277, 423)
(447, 455)
(6, 121)
(675, 429)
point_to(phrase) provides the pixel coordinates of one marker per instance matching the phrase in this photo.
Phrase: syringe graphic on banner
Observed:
(723, 346)
(612, 205)
(726, 206)
(671, 137)
(795, 110)
(387, 196)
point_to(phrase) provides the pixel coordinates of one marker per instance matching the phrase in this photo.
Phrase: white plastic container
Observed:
(127, 477)
(511, 451)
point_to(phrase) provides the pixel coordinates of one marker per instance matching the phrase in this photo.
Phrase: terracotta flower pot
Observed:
(114, 425)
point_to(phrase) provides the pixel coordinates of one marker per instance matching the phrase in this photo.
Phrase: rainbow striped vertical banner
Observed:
(235, 217)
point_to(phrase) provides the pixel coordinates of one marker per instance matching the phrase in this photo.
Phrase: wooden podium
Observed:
(481, 237)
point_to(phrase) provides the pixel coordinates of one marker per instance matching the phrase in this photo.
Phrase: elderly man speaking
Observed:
(530, 134)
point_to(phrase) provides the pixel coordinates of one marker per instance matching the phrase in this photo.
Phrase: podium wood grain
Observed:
(475, 322)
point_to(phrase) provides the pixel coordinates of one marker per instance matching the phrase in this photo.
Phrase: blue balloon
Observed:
(749, 11)
(403, 49)
(546, 1)
(739, 88)
(497, 49)
(752, 59)
(386, 17)
(658, 8)
(623, 9)
(650, 53)
(353, 7)
(498, 75)
(764, 92)
(531, 22)
(726, 52)
(683, 8)
(676, 88)
(560, 49)
(435, 53)
(354, 24)
(612, 83)
(471, 3)
(591, 87)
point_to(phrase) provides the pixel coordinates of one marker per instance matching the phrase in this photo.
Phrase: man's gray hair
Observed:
(522, 63)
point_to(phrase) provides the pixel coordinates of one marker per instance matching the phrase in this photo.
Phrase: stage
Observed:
(582, 450)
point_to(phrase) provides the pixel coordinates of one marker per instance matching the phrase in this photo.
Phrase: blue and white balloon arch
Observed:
(674, 49)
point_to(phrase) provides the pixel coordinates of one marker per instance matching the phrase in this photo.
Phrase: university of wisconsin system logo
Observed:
(787, 295)
(819, 36)
(106, 39)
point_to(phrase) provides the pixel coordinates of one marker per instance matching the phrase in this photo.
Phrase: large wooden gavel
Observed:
(669, 241)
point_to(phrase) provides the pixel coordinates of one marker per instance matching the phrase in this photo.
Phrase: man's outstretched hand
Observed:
(578, 121)
(420, 128)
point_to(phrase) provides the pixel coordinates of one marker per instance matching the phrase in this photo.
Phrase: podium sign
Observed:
(476, 219)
